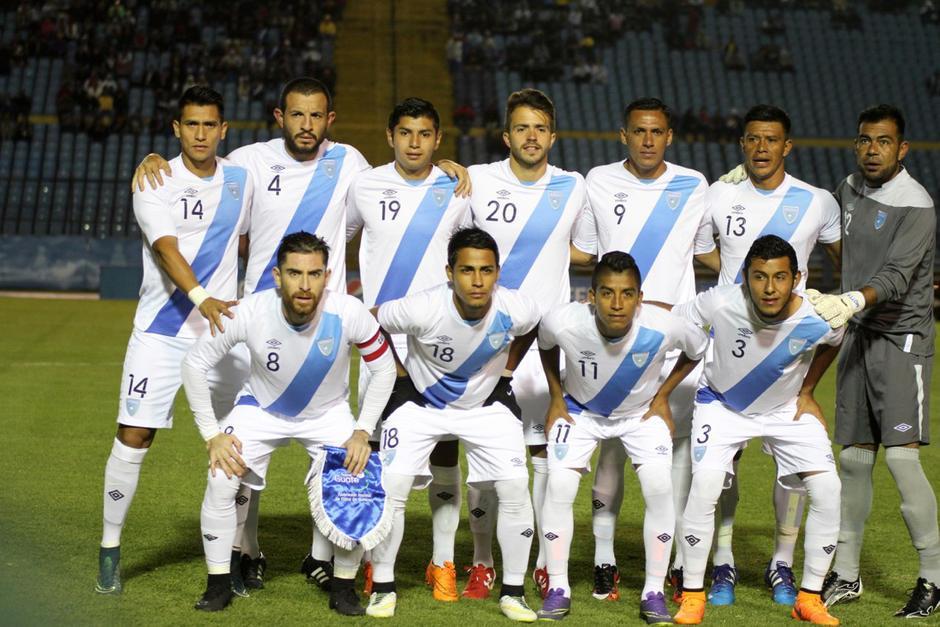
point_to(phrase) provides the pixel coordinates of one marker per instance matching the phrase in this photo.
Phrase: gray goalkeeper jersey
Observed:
(888, 244)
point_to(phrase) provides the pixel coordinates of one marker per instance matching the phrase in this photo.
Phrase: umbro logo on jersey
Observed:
(903, 427)
(738, 209)
(664, 537)
(389, 192)
(880, 219)
(116, 495)
(274, 343)
(554, 199)
(277, 168)
(588, 354)
(189, 191)
(672, 199)
(745, 332)
(790, 212)
(796, 346)
(325, 346)
(329, 167)
(620, 196)
(444, 339)
(503, 193)
(640, 358)
(692, 540)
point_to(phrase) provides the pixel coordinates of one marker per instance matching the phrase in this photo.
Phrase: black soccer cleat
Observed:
(346, 602)
(924, 601)
(253, 571)
(109, 571)
(837, 590)
(318, 572)
(235, 575)
(218, 594)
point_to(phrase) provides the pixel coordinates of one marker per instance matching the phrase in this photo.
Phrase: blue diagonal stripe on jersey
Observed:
(452, 385)
(769, 370)
(784, 223)
(621, 382)
(174, 313)
(312, 207)
(317, 364)
(536, 231)
(651, 238)
(415, 240)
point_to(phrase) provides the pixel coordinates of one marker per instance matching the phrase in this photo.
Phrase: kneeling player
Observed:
(759, 382)
(459, 338)
(614, 354)
(299, 339)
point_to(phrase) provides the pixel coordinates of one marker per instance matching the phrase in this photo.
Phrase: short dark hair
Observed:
(648, 104)
(771, 247)
(302, 242)
(615, 262)
(306, 86)
(414, 108)
(534, 99)
(203, 96)
(470, 237)
(880, 112)
(768, 113)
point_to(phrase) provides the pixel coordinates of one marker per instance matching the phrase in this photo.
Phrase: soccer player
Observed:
(769, 201)
(883, 387)
(460, 336)
(190, 228)
(406, 211)
(655, 210)
(299, 338)
(614, 352)
(530, 208)
(758, 382)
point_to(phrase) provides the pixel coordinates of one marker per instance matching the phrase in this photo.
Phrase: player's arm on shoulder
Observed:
(354, 219)
(584, 239)
(151, 170)
(550, 356)
(409, 314)
(458, 173)
(700, 310)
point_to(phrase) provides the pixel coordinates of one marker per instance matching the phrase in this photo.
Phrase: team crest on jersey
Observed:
(329, 167)
(796, 346)
(698, 453)
(560, 451)
(497, 339)
(620, 196)
(672, 200)
(277, 168)
(880, 219)
(503, 193)
(189, 191)
(850, 206)
(233, 189)
(132, 405)
(790, 212)
(325, 346)
(639, 359)
(388, 193)
(439, 195)
(554, 198)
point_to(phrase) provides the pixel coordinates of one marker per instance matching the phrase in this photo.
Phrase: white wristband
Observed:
(198, 294)
(507, 373)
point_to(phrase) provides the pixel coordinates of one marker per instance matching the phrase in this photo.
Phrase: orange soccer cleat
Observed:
(809, 607)
(692, 610)
(443, 580)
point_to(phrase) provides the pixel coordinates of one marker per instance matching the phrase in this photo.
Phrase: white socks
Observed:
(539, 480)
(606, 498)
(397, 487)
(659, 523)
(698, 525)
(558, 525)
(514, 528)
(788, 508)
(727, 505)
(822, 527)
(444, 499)
(681, 482)
(120, 483)
(482, 507)
(218, 521)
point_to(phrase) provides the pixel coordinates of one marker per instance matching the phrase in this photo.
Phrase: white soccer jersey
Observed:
(405, 229)
(532, 225)
(206, 217)
(739, 214)
(656, 221)
(616, 379)
(755, 367)
(453, 362)
(296, 372)
(292, 196)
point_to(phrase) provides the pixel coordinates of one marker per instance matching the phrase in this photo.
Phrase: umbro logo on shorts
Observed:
(444, 496)
(517, 461)
(662, 450)
(551, 536)
(241, 499)
(597, 503)
(692, 540)
(528, 533)
(664, 537)
(116, 495)
(538, 428)
(829, 549)
(903, 427)
(477, 512)
(210, 537)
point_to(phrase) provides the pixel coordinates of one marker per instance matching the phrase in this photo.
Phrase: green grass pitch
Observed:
(59, 379)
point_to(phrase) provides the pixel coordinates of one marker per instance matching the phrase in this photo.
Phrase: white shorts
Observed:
(570, 445)
(531, 390)
(682, 399)
(492, 438)
(260, 432)
(152, 377)
(719, 432)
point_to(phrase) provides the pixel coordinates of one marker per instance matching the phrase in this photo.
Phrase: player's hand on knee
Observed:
(735, 175)
(659, 406)
(225, 455)
(504, 395)
(557, 410)
(150, 170)
(357, 452)
(806, 405)
(212, 309)
(456, 171)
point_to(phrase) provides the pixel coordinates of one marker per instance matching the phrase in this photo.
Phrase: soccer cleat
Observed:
(606, 583)
(540, 577)
(480, 582)
(515, 608)
(724, 578)
(109, 570)
(653, 609)
(692, 610)
(780, 580)
(367, 576)
(235, 574)
(346, 602)
(443, 580)
(253, 571)
(924, 601)
(556, 605)
(836, 590)
(218, 594)
(318, 572)
(382, 604)
(810, 608)
(675, 580)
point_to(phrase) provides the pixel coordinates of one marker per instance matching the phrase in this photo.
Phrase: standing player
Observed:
(191, 228)
(655, 210)
(614, 351)
(769, 202)
(407, 210)
(883, 387)
(758, 382)
(530, 208)
(460, 336)
(299, 340)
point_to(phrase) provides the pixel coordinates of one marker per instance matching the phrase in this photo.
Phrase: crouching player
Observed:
(299, 339)
(614, 353)
(770, 350)
(459, 338)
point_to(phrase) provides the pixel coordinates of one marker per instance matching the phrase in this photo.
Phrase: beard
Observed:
(295, 149)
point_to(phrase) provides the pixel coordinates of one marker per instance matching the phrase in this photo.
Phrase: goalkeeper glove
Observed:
(836, 309)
